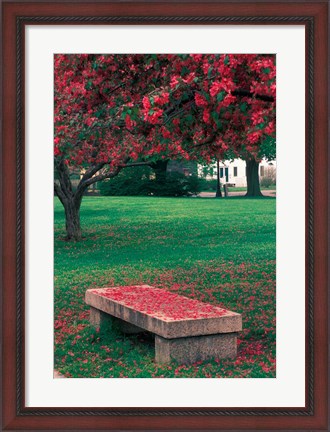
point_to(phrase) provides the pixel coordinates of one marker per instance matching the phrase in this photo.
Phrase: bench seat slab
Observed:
(161, 312)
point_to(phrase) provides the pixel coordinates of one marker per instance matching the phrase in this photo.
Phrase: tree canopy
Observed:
(111, 108)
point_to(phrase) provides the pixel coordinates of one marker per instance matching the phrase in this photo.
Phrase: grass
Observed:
(218, 251)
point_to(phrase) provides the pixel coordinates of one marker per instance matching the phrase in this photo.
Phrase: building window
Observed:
(235, 171)
(262, 171)
(221, 172)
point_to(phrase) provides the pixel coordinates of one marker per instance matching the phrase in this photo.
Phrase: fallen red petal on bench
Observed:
(160, 303)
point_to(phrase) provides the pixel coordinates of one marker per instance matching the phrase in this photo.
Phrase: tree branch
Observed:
(101, 177)
(91, 171)
(134, 164)
(175, 113)
(246, 93)
(89, 178)
(208, 140)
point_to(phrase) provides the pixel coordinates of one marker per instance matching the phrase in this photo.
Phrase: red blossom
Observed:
(206, 116)
(128, 122)
(228, 100)
(185, 99)
(200, 100)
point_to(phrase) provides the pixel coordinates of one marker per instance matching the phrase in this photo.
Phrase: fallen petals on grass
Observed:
(219, 252)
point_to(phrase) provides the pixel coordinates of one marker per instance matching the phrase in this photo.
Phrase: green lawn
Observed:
(217, 251)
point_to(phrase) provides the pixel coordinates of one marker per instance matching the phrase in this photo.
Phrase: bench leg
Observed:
(97, 318)
(188, 350)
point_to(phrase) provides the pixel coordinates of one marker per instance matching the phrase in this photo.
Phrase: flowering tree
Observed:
(114, 111)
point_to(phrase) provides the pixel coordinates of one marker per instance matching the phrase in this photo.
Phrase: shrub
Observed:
(208, 185)
(130, 181)
(176, 185)
(139, 181)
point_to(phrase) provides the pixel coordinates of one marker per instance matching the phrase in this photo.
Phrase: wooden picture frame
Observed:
(314, 16)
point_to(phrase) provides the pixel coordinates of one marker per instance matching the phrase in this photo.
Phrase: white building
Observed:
(234, 172)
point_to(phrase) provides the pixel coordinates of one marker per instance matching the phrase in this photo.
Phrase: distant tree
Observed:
(267, 150)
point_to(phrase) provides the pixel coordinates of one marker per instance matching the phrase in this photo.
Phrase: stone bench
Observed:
(186, 330)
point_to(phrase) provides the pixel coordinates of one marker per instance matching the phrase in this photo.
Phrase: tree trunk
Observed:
(70, 200)
(160, 168)
(252, 178)
(218, 193)
(72, 219)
